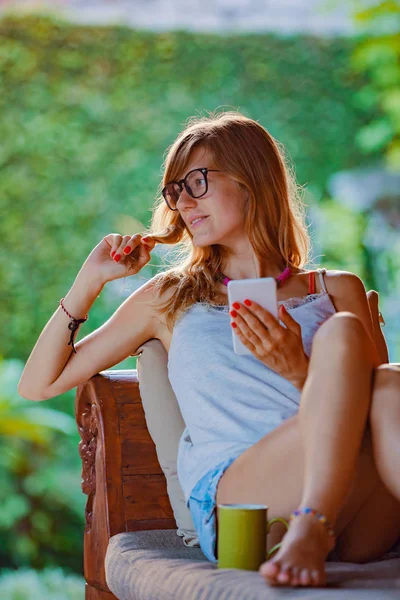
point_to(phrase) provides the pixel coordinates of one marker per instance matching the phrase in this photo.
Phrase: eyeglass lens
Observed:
(196, 186)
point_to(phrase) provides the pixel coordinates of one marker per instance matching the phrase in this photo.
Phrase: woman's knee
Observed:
(385, 403)
(340, 330)
(387, 376)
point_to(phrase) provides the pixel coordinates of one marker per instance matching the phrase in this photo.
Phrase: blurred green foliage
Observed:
(377, 54)
(341, 230)
(49, 584)
(86, 115)
(41, 514)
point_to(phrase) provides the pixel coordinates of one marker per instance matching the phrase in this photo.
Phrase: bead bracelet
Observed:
(311, 511)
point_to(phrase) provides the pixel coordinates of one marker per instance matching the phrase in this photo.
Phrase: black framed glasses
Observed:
(195, 182)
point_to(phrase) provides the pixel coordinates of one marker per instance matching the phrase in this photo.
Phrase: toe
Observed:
(305, 578)
(295, 576)
(314, 575)
(270, 570)
(317, 577)
(284, 575)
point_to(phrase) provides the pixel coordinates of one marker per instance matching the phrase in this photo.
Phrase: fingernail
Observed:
(283, 309)
(233, 313)
(236, 305)
(233, 324)
(127, 249)
(247, 302)
(117, 257)
(145, 239)
(112, 253)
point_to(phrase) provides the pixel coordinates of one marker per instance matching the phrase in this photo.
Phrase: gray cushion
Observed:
(155, 565)
(165, 425)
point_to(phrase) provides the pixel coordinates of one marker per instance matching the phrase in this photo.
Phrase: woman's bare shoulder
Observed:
(153, 295)
(348, 293)
(157, 291)
(340, 283)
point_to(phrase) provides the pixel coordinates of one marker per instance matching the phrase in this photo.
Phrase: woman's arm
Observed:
(348, 293)
(53, 369)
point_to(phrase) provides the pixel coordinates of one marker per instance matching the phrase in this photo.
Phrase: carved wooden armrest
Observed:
(121, 475)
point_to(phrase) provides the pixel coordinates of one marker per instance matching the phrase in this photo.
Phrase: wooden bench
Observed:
(121, 476)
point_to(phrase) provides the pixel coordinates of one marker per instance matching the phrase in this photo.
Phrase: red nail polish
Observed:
(127, 249)
(233, 313)
(236, 305)
(233, 324)
(112, 254)
(117, 257)
(247, 302)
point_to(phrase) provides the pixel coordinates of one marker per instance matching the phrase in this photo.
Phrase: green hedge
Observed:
(86, 114)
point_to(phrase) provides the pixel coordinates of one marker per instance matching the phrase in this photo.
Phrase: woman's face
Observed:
(222, 205)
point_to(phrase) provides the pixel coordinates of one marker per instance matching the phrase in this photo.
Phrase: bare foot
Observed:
(300, 560)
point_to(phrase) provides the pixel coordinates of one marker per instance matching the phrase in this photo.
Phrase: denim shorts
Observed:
(202, 504)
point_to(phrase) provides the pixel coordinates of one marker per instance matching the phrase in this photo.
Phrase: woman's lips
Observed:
(199, 222)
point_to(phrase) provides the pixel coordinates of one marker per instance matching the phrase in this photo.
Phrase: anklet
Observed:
(311, 511)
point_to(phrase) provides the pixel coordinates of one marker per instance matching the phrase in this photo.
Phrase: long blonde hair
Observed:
(274, 211)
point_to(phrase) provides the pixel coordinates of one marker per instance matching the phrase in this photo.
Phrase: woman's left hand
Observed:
(280, 348)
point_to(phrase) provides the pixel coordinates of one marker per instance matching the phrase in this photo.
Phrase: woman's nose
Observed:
(185, 199)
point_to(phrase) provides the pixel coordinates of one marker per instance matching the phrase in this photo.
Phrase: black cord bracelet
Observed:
(73, 325)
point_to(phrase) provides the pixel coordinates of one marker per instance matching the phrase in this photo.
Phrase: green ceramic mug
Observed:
(242, 536)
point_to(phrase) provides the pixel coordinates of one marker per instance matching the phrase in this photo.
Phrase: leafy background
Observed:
(86, 115)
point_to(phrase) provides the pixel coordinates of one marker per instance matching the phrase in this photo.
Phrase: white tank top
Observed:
(229, 402)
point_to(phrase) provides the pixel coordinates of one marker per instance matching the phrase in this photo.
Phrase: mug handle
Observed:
(271, 522)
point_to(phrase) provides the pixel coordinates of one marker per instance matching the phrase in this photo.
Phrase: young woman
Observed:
(309, 423)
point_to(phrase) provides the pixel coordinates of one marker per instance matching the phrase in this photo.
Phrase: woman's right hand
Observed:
(103, 267)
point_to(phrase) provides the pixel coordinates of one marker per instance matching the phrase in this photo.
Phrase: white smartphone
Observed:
(262, 291)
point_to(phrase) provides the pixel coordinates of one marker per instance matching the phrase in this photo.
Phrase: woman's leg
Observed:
(378, 519)
(339, 390)
(385, 425)
(333, 416)
(333, 427)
